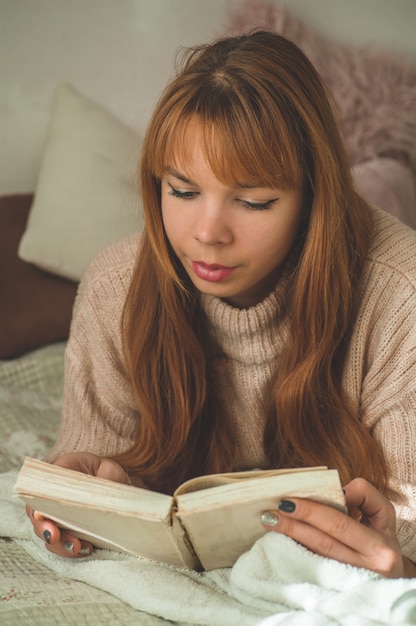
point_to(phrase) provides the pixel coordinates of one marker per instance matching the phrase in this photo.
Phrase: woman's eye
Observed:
(259, 206)
(184, 195)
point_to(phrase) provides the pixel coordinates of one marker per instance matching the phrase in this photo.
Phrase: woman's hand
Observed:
(60, 541)
(370, 543)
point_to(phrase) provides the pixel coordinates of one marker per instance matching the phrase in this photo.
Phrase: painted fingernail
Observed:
(269, 519)
(33, 512)
(287, 506)
(69, 546)
(85, 551)
(47, 535)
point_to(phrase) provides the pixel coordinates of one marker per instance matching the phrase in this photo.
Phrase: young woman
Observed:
(266, 317)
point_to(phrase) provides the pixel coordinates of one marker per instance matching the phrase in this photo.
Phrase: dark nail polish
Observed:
(287, 506)
(46, 535)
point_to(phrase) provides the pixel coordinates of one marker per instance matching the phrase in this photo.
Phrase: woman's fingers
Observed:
(84, 462)
(112, 471)
(45, 529)
(94, 465)
(57, 540)
(331, 533)
(377, 512)
(317, 527)
(69, 546)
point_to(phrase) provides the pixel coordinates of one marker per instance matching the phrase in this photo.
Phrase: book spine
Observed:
(182, 541)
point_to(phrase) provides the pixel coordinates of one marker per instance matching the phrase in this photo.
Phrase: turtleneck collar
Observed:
(254, 335)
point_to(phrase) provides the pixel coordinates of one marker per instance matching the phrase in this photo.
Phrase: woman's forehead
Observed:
(235, 158)
(193, 144)
(195, 141)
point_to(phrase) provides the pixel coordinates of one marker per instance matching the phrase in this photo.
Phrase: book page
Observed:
(215, 480)
(223, 522)
(65, 485)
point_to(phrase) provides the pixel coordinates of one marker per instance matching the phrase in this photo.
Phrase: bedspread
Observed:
(30, 592)
(276, 582)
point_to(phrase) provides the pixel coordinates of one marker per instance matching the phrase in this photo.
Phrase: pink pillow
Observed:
(388, 184)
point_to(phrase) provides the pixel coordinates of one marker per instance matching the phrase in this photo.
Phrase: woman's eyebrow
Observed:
(178, 175)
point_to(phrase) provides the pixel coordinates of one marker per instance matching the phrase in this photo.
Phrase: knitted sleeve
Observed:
(99, 413)
(388, 384)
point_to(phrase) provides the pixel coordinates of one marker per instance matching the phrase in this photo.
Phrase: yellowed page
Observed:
(223, 522)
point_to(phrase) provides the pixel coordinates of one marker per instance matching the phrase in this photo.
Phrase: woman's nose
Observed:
(211, 226)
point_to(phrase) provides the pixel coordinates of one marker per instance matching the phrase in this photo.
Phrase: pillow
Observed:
(86, 196)
(35, 307)
(388, 184)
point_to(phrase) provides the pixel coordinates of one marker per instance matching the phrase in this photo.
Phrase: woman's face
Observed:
(231, 240)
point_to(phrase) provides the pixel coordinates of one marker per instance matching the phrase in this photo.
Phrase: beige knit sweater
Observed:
(99, 413)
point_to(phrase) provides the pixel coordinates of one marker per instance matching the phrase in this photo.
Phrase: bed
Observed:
(30, 592)
(42, 258)
(277, 582)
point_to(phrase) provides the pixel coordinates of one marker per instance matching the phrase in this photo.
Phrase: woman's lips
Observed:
(213, 273)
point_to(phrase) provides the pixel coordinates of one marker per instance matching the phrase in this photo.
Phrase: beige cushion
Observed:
(86, 196)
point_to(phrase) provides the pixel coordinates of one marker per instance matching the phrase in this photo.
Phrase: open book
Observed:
(208, 523)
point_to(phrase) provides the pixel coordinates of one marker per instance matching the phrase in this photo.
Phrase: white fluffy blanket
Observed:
(276, 582)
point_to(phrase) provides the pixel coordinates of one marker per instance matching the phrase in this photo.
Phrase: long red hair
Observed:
(265, 118)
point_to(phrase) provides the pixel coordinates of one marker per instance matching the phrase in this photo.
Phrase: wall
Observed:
(121, 52)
